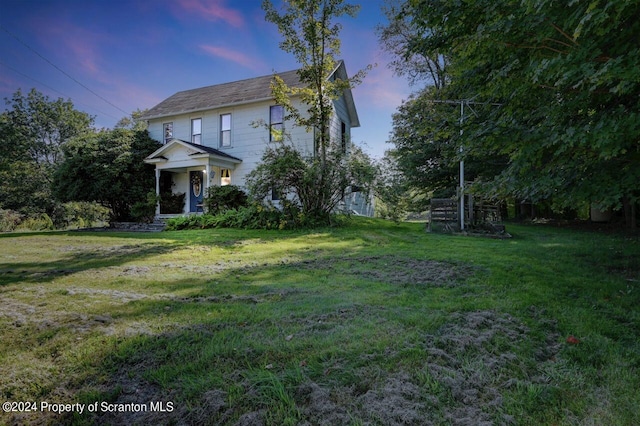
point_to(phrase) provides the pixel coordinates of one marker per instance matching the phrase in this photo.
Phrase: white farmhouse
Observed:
(211, 137)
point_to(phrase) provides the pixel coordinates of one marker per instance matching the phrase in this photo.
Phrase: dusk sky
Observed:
(120, 55)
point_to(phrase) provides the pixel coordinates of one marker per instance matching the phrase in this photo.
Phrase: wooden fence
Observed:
(443, 215)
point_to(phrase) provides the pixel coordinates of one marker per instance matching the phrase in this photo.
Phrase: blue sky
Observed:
(130, 54)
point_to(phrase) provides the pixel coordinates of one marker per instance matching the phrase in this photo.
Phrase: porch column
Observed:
(157, 191)
(207, 178)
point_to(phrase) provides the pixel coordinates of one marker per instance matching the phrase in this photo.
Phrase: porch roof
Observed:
(208, 149)
(193, 151)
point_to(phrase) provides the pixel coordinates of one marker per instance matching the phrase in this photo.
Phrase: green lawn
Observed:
(373, 323)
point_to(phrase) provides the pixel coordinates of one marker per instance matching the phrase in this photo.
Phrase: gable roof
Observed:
(238, 93)
(200, 150)
(220, 95)
(341, 72)
(207, 149)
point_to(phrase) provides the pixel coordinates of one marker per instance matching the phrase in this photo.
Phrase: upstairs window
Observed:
(225, 130)
(168, 132)
(196, 131)
(275, 193)
(343, 137)
(276, 119)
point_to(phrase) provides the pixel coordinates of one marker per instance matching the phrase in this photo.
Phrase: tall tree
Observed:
(402, 37)
(107, 167)
(32, 133)
(567, 76)
(311, 35)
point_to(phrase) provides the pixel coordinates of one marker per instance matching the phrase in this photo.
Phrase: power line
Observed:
(61, 70)
(57, 91)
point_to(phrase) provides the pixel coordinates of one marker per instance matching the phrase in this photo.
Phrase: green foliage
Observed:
(392, 197)
(566, 77)
(107, 167)
(133, 121)
(312, 37)
(79, 214)
(253, 216)
(68, 215)
(145, 211)
(321, 182)
(41, 222)
(171, 203)
(218, 199)
(317, 186)
(32, 133)
(399, 36)
(9, 220)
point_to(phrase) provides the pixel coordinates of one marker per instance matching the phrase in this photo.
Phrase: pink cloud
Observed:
(85, 53)
(77, 43)
(213, 10)
(232, 55)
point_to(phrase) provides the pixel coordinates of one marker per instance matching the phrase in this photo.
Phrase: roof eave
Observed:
(209, 108)
(156, 160)
(229, 159)
(341, 68)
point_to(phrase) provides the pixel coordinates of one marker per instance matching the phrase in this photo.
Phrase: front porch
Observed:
(186, 168)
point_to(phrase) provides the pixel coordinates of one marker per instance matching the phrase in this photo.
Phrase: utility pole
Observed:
(462, 102)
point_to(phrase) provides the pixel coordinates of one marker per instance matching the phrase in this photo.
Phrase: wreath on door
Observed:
(196, 182)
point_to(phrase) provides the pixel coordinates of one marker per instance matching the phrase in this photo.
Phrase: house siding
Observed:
(249, 138)
(341, 115)
(247, 102)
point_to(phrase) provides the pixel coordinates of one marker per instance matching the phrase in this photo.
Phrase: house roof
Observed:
(341, 72)
(237, 93)
(220, 95)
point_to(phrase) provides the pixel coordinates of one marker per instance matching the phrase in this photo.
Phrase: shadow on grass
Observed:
(203, 351)
(221, 350)
(78, 261)
(234, 348)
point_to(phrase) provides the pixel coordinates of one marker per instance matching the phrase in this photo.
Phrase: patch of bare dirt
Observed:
(138, 394)
(252, 299)
(399, 401)
(469, 356)
(466, 363)
(118, 295)
(40, 316)
(398, 270)
(466, 366)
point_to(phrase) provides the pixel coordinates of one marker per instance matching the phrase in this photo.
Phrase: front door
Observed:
(196, 183)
